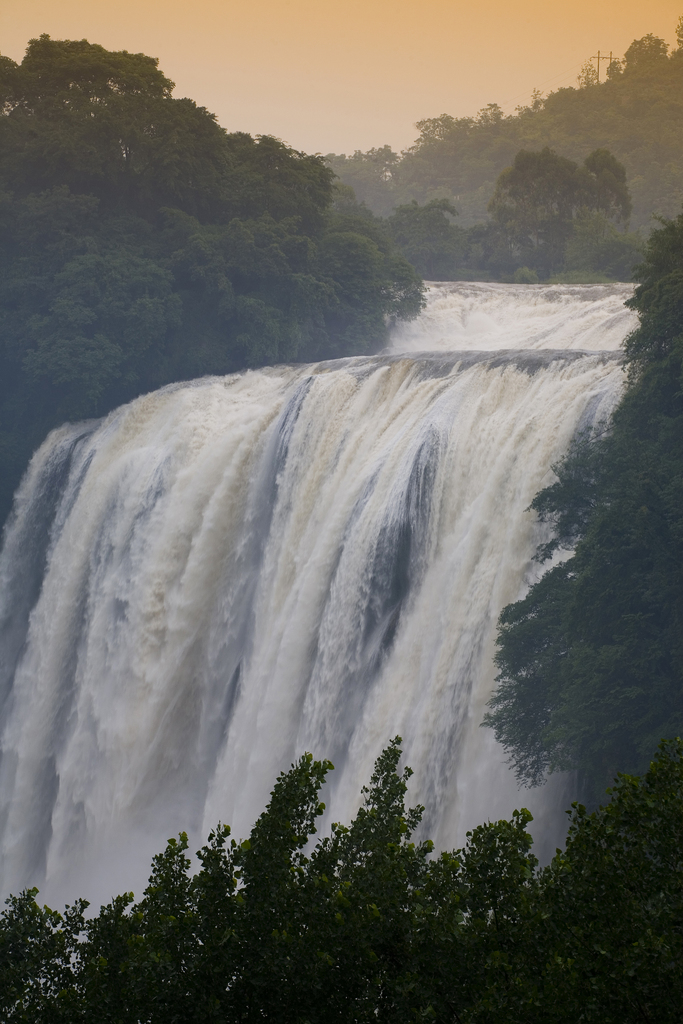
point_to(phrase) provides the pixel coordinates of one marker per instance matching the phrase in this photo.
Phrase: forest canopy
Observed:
(366, 925)
(551, 219)
(141, 243)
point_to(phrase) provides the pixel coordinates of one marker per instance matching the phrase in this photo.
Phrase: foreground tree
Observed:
(368, 927)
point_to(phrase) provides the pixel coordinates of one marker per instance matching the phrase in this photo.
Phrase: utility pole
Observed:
(598, 56)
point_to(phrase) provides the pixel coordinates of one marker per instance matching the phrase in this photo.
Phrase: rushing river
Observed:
(223, 574)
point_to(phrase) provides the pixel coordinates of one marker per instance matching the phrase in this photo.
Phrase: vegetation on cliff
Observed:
(591, 661)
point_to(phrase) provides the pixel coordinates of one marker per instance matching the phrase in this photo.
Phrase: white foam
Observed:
(294, 558)
(476, 315)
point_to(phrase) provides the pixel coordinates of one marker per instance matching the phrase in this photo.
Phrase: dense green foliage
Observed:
(365, 926)
(552, 219)
(537, 200)
(550, 216)
(427, 237)
(591, 661)
(142, 244)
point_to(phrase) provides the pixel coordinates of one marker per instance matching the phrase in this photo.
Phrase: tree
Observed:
(597, 247)
(645, 54)
(636, 115)
(588, 75)
(428, 239)
(614, 898)
(365, 926)
(369, 174)
(537, 199)
(142, 244)
(105, 124)
(609, 192)
(591, 659)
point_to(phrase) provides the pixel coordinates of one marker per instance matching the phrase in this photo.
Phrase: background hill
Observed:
(637, 113)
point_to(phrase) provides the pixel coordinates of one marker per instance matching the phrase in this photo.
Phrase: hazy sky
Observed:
(338, 76)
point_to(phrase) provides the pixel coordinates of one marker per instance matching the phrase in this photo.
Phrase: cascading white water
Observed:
(503, 316)
(225, 573)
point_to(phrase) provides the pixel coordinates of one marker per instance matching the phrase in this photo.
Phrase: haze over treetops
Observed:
(325, 78)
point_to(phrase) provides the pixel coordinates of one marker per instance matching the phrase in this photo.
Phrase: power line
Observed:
(599, 56)
(610, 60)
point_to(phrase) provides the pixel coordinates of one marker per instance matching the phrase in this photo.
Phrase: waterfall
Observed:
(503, 316)
(225, 573)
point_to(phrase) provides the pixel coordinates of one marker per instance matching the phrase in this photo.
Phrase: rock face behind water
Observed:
(225, 573)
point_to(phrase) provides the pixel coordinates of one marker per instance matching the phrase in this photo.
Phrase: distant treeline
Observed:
(552, 220)
(636, 114)
(140, 244)
(365, 927)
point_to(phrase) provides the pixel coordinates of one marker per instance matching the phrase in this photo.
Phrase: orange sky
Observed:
(338, 76)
